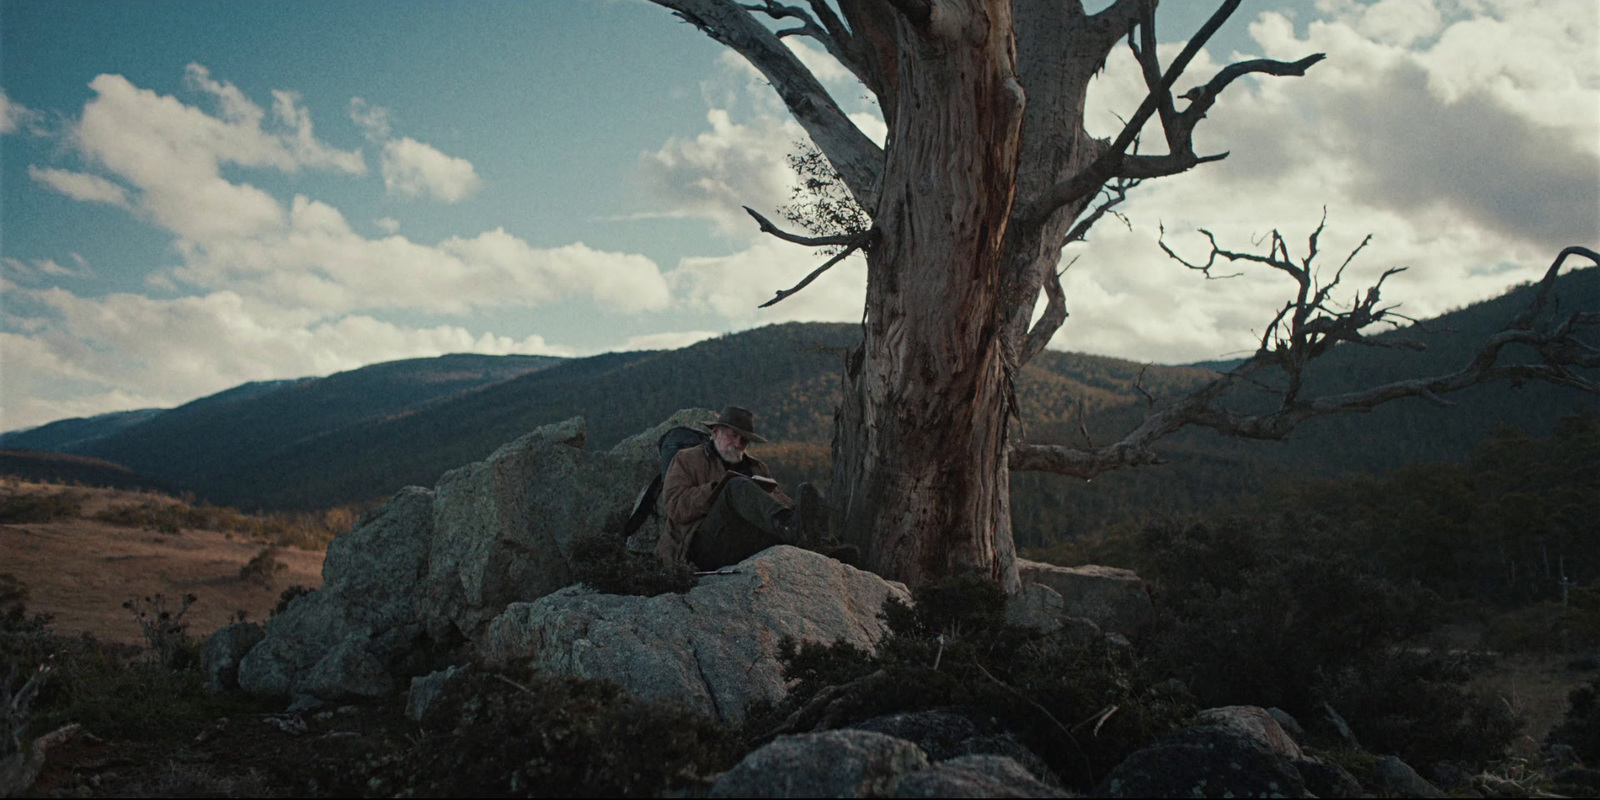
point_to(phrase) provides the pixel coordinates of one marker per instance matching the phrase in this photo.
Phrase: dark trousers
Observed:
(738, 526)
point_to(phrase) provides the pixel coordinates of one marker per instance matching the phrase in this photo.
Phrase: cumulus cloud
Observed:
(80, 185)
(713, 175)
(414, 169)
(234, 236)
(734, 285)
(388, 225)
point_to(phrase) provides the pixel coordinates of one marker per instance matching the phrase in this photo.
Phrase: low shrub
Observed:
(1281, 611)
(39, 506)
(263, 568)
(1580, 727)
(602, 562)
(1543, 628)
(525, 734)
(1413, 703)
(1079, 702)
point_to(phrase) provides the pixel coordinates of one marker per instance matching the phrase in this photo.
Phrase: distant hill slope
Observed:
(40, 467)
(68, 434)
(787, 373)
(252, 423)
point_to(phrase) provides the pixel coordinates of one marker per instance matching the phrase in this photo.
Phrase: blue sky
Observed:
(196, 194)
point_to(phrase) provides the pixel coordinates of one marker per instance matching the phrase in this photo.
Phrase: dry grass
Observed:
(81, 570)
(1535, 687)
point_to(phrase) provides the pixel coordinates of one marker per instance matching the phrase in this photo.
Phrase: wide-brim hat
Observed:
(740, 420)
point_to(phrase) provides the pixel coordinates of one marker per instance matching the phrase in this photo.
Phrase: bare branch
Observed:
(830, 33)
(1177, 126)
(1307, 328)
(858, 160)
(858, 241)
(1055, 313)
(808, 241)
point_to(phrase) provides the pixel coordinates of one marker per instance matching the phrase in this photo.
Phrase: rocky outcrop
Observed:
(948, 734)
(857, 763)
(343, 638)
(224, 650)
(1396, 778)
(504, 526)
(1115, 599)
(974, 776)
(1237, 753)
(714, 648)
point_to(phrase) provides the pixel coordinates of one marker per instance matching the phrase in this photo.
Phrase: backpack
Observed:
(679, 438)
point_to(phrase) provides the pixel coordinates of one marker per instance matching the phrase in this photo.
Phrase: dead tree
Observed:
(985, 171)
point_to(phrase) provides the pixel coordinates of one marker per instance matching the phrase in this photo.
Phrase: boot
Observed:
(811, 514)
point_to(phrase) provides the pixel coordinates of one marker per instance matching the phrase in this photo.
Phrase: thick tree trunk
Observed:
(919, 449)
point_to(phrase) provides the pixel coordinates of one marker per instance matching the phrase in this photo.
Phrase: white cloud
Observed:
(307, 150)
(1470, 161)
(14, 116)
(80, 185)
(414, 169)
(388, 225)
(373, 120)
(715, 174)
(93, 355)
(35, 269)
(236, 237)
(668, 340)
(734, 286)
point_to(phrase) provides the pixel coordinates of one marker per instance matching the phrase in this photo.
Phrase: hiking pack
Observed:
(679, 438)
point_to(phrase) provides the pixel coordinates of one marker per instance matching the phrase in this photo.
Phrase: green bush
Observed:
(1413, 703)
(39, 507)
(493, 734)
(1283, 612)
(1077, 701)
(1543, 628)
(602, 562)
(1580, 728)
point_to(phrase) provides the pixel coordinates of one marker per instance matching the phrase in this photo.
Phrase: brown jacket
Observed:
(688, 492)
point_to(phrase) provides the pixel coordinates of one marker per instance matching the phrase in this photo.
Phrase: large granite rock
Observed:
(946, 734)
(504, 526)
(714, 648)
(842, 763)
(1115, 599)
(974, 776)
(223, 651)
(858, 763)
(1234, 755)
(362, 620)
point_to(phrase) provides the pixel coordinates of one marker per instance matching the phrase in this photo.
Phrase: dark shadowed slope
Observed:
(254, 422)
(67, 435)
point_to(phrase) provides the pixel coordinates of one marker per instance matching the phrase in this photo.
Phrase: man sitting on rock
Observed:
(723, 505)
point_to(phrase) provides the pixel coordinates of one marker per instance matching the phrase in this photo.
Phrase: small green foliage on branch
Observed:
(820, 203)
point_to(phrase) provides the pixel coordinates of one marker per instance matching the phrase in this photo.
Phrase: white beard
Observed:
(733, 457)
